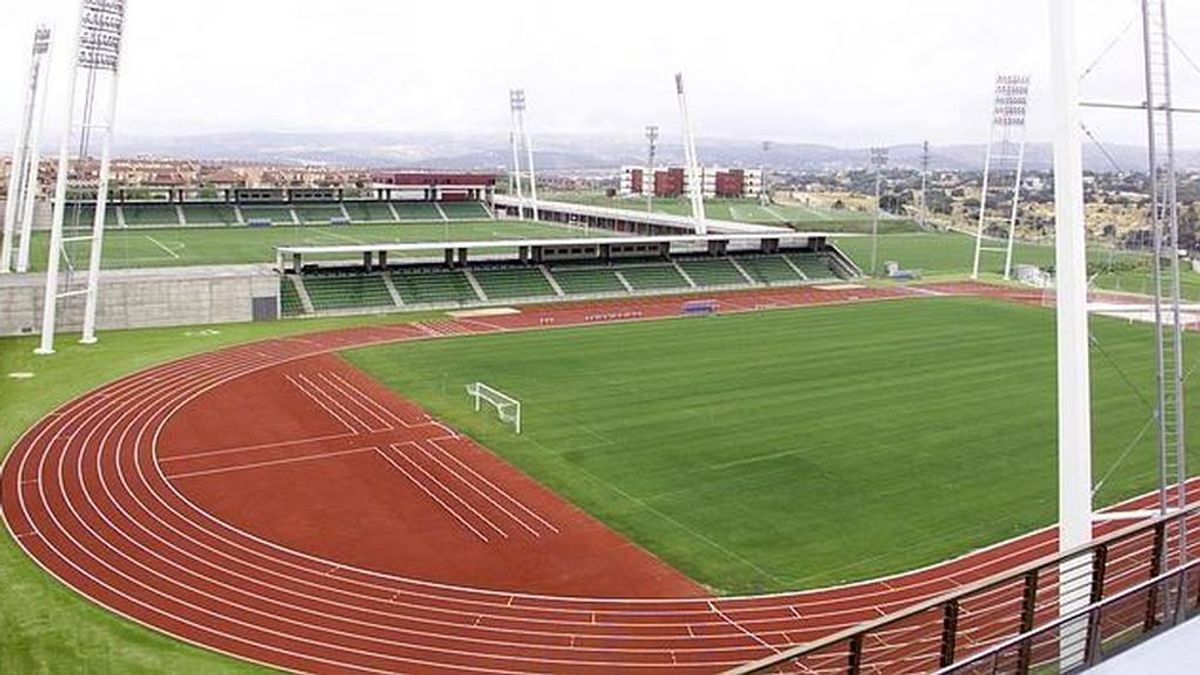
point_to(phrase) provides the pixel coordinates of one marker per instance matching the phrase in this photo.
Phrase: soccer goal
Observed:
(507, 407)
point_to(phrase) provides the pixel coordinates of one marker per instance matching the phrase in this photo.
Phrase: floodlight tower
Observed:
(652, 139)
(1004, 160)
(879, 159)
(924, 185)
(764, 196)
(23, 176)
(516, 100)
(696, 180)
(97, 63)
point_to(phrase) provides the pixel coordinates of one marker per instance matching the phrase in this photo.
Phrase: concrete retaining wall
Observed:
(144, 298)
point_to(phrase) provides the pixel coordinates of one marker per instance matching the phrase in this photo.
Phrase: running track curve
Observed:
(85, 495)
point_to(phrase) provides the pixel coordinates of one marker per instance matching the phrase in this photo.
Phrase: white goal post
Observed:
(507, 407)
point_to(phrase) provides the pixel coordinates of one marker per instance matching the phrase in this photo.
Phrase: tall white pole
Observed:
(516, 153)
(93, 281)
(533, 198)
(1074, 394)
(1012, 218)
(23, 176)
(50, 301)
(987, 168)
(694, 176)
(35, 156)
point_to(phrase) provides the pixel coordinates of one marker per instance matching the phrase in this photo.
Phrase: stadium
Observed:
(439, 423)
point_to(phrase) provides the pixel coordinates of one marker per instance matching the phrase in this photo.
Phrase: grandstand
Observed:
(437, 275)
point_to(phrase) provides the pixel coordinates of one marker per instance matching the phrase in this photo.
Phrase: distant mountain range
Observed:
(580, 152)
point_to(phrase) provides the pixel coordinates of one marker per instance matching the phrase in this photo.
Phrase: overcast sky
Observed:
(844, 72)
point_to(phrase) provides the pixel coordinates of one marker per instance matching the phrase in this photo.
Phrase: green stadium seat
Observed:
(814, 265)
(587, 280)
(318, 215)
(417, 211)
(464, 210)
(712, 272)
(347, 291)
(289, 298)
(151, 215)
(422, 287)
(369, 212)
(278, 215)
(209, 214)
(653, 277)
(514, 282)
(769, 269)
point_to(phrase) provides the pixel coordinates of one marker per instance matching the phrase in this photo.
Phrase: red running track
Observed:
(270, 502)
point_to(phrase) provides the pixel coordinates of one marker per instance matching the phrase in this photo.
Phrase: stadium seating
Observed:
(369, 212)
(813, 265)
(465, 210)
(320, 215)
(429, 287)
(289, 298)
(84, 216)
(151, 215)
(769, 269)
(345, 291)
(586, 280)
(417, 211)
(514, 282)
(712, 272)
(278, 215)
(209, 214)
(653, 277)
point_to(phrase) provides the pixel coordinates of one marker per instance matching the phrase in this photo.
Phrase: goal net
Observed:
(507, 407)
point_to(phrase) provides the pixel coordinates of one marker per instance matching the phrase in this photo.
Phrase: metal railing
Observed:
(946, 630)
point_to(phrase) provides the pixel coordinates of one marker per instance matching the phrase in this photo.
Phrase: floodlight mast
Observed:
(924, 185)
(1009, 107)
(517, 103)
(1074, 392)
(695, 179)
(652, 138)
(879, 159)
(98, 45)
(26, 159)
(516, 100)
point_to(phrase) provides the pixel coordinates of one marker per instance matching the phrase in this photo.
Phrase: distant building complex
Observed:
(671, 181)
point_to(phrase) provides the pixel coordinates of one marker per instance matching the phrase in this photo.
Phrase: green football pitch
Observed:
(798, 448)
(173, 247)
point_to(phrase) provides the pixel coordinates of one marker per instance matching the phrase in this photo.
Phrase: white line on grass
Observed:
(164, 247)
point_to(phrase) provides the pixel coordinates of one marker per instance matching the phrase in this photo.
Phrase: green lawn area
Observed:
(797, 448)
(939, 254)
(178, 246)
(44, 626)
(751, 211)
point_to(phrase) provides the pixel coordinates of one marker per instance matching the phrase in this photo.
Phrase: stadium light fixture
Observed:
(26, 159)
(1004, 161)
(879, 159)
(652, 139)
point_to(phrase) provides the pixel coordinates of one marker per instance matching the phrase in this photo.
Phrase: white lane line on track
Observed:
(478, 491)
(434, 442)
(399, 449)
(368, 398)
(273, 462)
(437, 499)
(325, 394)
(741, 628)
(326, 408)
(247, 448)
(357, 400)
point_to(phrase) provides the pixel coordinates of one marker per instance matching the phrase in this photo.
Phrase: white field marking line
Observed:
(397, 447)
(327, 409)
(476, 489)
(337, 235)
(497, 488)
(159, 244)
(369, 399)
(325, 393)
(201, 512)
(318, 389)
(387, 426)
(272, 462)
(484, 324)
(437, 499)
(456, 625)
(739, 626)
(429, 332)
(260, 446)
